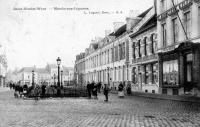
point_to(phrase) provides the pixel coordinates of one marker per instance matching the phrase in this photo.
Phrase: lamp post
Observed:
(108, 75)
(61, 77)
(54, 78)
(33, 78)
(58, 63)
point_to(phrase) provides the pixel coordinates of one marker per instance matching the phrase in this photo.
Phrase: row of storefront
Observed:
(149, 52)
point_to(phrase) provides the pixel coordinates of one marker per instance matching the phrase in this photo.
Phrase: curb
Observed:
(181, 98)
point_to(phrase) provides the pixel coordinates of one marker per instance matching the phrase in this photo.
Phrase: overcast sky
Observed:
(38, 37)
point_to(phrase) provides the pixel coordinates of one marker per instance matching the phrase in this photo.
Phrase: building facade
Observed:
(106, 59)
(79, 69)
(157, 52)
(144, 58)
(127, 55)
(178, 23)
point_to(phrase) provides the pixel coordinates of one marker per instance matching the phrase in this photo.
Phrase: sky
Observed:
(29, 36)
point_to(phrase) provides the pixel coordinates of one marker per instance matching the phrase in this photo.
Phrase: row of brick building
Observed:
(156, 52)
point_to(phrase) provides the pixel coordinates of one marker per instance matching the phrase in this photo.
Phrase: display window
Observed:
(170, 72)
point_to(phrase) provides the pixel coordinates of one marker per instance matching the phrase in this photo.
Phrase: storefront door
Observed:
(188, 72)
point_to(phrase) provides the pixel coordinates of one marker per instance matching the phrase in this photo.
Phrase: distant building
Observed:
(79, 69)
(47, 75)
(3, 70)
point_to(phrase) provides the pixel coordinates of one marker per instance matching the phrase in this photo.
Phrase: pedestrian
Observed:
(37, 91)
(99, 87)
(128, 88)
(43, 90)
(105, 91)
(25, 89)
(95, 90)
(92, 88)
(89, 89)
(121, 90)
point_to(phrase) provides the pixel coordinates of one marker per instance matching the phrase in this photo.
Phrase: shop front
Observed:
(179, 70)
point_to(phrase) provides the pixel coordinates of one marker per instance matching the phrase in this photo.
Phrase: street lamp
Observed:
(58, 63)
(33, 78)
(54, 78)
(108, 75)
(61, 77)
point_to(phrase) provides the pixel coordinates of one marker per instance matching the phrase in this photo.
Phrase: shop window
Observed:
(139, 75)
(189, 67)
(147, 76)
(170, 73)
(155, 74)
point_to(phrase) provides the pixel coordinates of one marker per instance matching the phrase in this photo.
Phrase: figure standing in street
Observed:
(43, 90)
(105, 91)
(89, 89)
(121, 90)
(95, 90)
(99, 87)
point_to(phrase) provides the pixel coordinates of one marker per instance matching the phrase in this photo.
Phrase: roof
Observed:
(144, 13)
(120, 30)
(151, 23)
(27, 69)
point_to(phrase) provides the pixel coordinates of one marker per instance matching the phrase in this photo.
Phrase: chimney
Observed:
(132, 20)
(117, 25)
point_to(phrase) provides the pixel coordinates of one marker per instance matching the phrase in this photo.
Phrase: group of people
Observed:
(94, 88)
(34, 91)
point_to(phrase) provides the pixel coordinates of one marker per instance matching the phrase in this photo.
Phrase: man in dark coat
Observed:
(89, 89)
(105, 91)
(95, 87)
(99, 87)
(43, 90)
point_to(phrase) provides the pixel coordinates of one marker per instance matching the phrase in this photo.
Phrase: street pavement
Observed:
(81, 112)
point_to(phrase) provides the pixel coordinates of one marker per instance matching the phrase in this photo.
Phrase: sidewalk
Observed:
(183, 98)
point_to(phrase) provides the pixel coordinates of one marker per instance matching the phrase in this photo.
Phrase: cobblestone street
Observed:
(80, 112)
